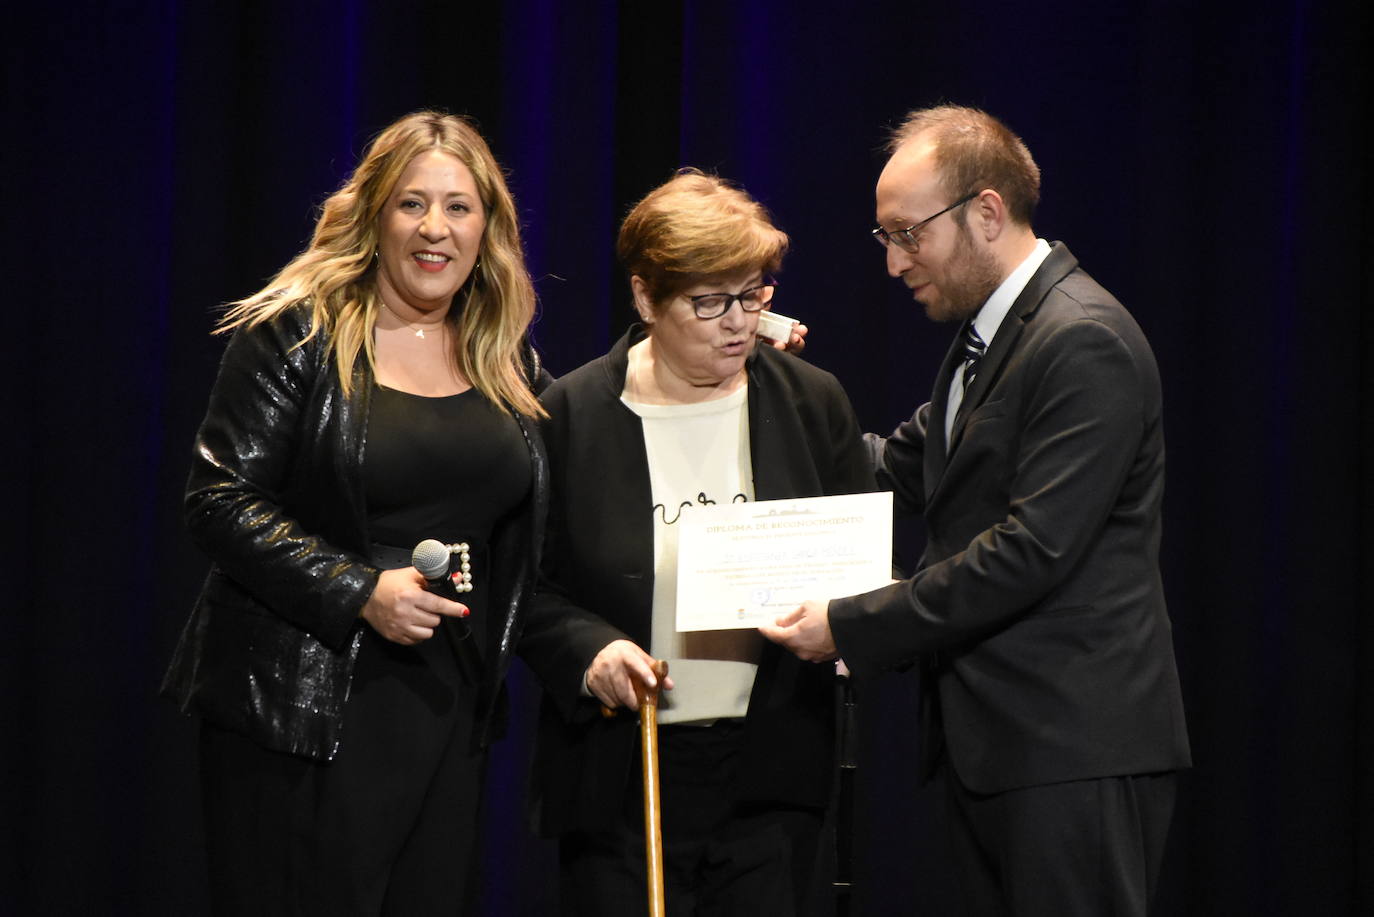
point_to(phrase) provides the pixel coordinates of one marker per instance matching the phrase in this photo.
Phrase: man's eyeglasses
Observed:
(905, 239)
(714, 305)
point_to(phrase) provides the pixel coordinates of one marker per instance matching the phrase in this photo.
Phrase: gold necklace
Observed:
(419, 330)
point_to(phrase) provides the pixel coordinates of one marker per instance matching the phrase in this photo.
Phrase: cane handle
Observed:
(643, 693)
(660, 668)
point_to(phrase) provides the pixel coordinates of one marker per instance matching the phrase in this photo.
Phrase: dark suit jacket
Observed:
(1037, 611)
(598, 580)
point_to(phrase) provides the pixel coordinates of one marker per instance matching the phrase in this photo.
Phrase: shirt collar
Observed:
(989, 318)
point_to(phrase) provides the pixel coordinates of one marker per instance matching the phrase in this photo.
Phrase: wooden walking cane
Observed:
(648, 744)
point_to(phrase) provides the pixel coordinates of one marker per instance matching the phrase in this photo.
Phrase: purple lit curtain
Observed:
(1208, 163)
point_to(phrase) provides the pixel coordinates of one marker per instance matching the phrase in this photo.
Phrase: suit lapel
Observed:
(1002, 344)
(1056, 266)
(935, 452)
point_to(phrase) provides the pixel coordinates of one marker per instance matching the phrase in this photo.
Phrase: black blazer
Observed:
(276, 499)
(597, 582)
(1037, 610)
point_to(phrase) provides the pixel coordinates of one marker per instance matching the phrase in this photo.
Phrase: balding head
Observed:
(971, 150)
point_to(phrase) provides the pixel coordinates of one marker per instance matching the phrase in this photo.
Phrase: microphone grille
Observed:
(431, 558)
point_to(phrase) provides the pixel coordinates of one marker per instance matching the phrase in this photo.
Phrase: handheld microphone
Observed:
(433, 559)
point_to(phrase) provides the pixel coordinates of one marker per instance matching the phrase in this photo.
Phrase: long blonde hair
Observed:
(336, 274)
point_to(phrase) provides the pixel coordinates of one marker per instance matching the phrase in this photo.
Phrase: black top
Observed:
(421, 458)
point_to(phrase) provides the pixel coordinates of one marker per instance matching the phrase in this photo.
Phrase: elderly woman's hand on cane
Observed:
(617, 669)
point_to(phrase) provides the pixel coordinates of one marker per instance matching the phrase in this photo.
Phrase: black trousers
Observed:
(720, 857)
(1086, 848)
(388, 828)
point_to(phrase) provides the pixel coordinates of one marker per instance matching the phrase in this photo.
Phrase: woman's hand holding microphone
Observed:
(403, 611)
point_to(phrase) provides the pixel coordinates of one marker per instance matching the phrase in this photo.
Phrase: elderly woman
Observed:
(375, 393)
(684, 411)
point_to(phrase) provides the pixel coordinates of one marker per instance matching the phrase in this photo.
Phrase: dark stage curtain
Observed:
(1206, 161)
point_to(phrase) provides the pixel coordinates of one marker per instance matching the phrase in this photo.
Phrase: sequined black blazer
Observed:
(276, 499)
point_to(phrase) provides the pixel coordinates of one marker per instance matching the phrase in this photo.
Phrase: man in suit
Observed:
(1036, 614)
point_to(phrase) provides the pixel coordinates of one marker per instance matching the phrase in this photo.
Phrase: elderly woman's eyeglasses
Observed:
(714, 305)
(905, 239)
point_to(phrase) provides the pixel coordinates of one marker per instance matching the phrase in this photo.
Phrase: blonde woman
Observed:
(377, 392)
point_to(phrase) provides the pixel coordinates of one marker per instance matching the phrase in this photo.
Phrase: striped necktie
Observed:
(973, 353)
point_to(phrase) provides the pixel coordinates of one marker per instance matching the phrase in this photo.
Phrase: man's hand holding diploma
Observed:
(805, 631)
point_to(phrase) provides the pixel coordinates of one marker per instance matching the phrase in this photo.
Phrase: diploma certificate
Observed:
(745, 564)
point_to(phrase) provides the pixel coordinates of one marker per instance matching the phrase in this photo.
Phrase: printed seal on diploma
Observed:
(745, 564)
